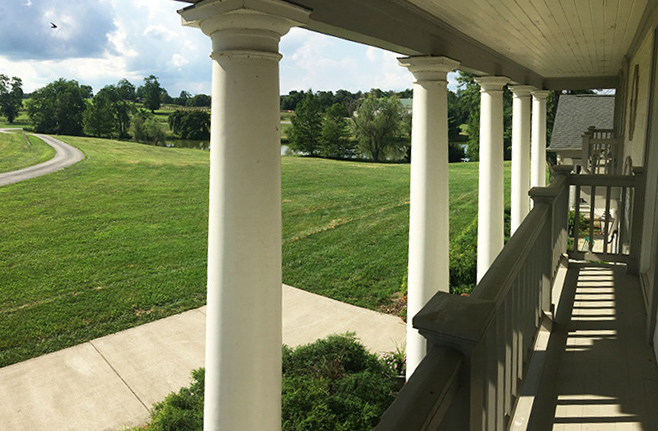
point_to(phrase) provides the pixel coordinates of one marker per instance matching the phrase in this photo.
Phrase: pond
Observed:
(201, 145)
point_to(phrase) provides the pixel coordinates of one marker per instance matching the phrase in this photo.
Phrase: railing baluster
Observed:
(608, 190)
(622, 221)
(509, 373)
(500, 368)
(514, 316)
(491, 377)
(592, 205)
(576, 222)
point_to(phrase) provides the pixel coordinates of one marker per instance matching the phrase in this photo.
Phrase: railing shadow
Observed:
(599, 368)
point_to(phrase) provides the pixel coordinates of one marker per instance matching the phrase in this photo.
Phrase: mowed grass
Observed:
(18, 151)
(346, 225)
(119, 239)
(114, 241)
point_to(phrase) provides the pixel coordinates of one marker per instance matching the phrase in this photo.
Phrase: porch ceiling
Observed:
(546, 43)
(554, 38)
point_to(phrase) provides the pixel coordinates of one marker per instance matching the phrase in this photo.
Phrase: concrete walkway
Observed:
(65, 155)
(113, 381)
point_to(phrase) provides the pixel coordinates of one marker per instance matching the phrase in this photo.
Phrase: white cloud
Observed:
(99, 42)
(178, 60)
(312, 60)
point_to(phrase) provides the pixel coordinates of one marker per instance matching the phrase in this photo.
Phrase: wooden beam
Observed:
(582, 83)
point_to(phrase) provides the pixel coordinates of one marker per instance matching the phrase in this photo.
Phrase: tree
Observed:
(377, 123)
(469, 103)
(87, 91)
(455, 152)
(58, 108)
(11, 97)
(145, 128)
(335, 138)
(124, 106)
(290, 102)
(182, 99)
(199, 100)
(99, 117)
(126, 90)
(152, 93)
(306, 126)
(190, 124)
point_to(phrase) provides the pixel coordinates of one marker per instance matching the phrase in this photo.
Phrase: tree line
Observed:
(65, 107)
(376, 126)
(342, 125)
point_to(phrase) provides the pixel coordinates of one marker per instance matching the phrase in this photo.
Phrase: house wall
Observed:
(649, 247)
(637, 83)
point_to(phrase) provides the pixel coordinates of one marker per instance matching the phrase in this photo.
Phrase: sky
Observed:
(99, 42)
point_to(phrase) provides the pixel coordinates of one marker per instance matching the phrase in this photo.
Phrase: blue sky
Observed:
(99, 42)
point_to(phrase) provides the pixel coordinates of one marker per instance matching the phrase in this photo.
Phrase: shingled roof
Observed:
(575, 114)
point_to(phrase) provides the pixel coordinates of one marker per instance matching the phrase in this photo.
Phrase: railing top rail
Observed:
(602, 180)
(464, 320)
(497, 281)
(427, 394)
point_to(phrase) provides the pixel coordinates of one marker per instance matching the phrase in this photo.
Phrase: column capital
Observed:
(244, 24)
(540, 94)
(522, 90)
(492, 83)
(429, 68)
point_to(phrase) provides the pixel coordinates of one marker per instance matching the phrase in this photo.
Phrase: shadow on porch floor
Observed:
(600, 374)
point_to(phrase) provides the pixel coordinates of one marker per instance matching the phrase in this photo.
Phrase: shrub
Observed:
(583, 224)
(190, 124)
(146, 129)
(396, 361)
(463, 260)
(334, 384)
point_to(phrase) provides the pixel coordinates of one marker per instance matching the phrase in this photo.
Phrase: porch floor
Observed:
(600, 374)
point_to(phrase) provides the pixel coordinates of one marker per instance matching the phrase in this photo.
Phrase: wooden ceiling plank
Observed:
(569, 17)
(553, 33)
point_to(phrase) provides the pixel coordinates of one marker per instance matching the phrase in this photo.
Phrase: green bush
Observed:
(463, 260)
(583, 224)
(334, 384)
(182, 411)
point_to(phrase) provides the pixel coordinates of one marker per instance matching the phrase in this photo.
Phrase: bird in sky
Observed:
(53, 25)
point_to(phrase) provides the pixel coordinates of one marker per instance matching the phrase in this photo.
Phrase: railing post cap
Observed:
(562, 169)
(457, 321)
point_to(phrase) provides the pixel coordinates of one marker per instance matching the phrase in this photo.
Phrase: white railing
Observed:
(606, 208)
(601, 152)
(480, 345)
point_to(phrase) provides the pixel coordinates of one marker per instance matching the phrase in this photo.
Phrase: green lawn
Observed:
(116, 240)
(19, 151)
(119, 239)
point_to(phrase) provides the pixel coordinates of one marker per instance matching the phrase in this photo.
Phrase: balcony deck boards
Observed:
(600, 372)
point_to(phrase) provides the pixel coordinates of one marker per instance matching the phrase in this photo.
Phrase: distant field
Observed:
(119, 239)
(21, 121)
(18, 151)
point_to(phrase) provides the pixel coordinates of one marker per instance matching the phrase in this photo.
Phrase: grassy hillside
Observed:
(18, 151)
(119, 239)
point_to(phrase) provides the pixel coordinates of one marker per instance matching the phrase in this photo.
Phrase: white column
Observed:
(491, 199)
(520, 153)
(243, 329)
(428, 215)
(538, 173)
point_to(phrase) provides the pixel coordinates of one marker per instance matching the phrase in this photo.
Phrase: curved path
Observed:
(65, 156)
